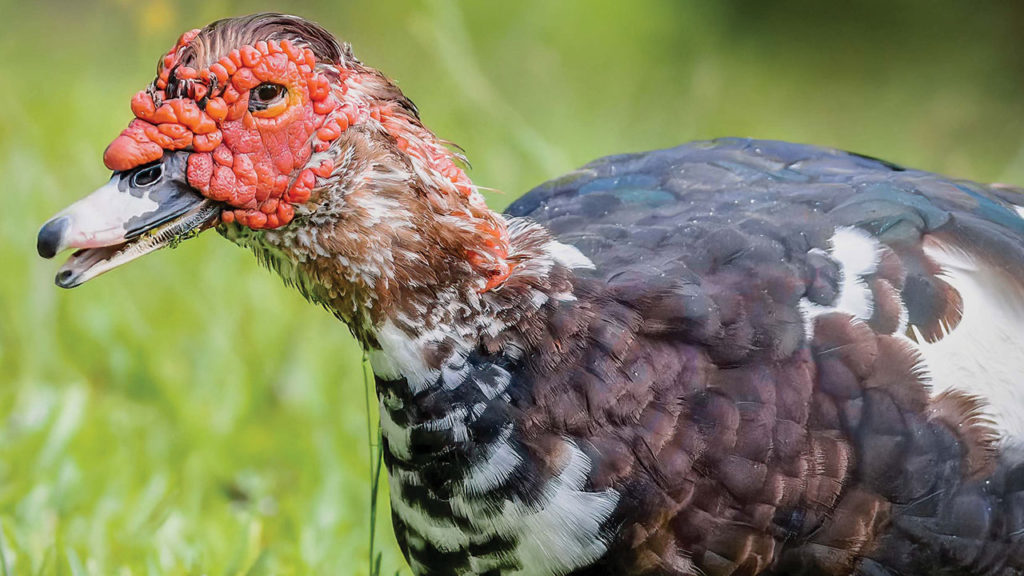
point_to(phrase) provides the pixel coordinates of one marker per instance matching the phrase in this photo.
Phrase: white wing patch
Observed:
(984, 354)
(568, 255)
(857, 254)
(981, 356)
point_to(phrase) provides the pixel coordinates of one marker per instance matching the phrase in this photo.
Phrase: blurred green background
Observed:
(188, 414)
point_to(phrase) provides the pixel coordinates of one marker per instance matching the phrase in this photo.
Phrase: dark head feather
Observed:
(219, 38)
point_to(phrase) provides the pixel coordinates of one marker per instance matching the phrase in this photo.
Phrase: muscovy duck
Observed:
(727, 358)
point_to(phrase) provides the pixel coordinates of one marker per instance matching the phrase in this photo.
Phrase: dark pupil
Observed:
(267, 92)
(147, 176)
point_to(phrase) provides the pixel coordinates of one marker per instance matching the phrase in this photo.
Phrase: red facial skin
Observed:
(254, 161)
(257, 162)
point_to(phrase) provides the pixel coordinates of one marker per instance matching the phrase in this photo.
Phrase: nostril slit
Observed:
(51, 237)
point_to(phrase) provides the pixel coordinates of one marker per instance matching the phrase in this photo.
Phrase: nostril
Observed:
(51, 237)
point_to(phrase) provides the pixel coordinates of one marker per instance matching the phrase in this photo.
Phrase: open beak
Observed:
(135, 213)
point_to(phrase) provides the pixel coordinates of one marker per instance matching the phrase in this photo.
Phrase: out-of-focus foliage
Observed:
(188, 414)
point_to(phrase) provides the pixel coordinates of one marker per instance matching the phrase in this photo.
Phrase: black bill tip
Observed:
(51, 237)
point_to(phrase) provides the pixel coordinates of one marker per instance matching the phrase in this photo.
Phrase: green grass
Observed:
(190, 415)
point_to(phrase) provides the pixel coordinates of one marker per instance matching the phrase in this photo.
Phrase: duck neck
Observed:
(446, 379)
(398, 243)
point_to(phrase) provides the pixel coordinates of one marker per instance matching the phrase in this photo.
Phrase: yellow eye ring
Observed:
(271, 111)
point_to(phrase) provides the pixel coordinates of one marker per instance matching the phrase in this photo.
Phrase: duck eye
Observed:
(266, 95)
(147, 176)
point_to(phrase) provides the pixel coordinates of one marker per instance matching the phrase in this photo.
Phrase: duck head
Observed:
(268, 129)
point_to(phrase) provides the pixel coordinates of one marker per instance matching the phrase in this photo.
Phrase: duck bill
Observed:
(135, 213)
